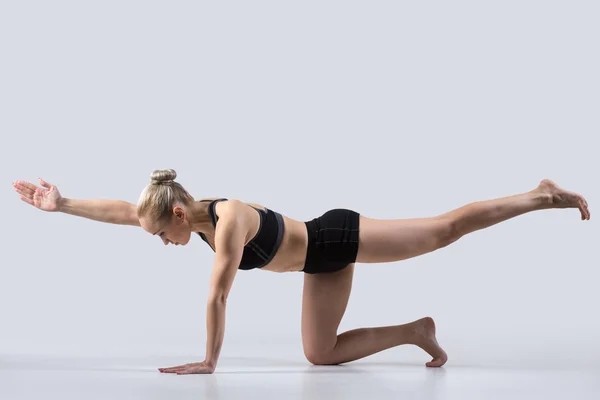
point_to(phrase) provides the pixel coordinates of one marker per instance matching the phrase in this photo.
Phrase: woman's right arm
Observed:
(110, 211)
(49, 199)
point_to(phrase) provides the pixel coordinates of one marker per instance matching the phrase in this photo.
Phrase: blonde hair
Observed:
(158, 198)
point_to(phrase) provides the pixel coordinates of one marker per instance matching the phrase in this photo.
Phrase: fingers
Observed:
(24, 188)
(173, 369)
(27, 200)
(192, 368)
(24, 192)
(187, 372)
(44, 183)
(170, 369)
(26, 195)
(25, 185)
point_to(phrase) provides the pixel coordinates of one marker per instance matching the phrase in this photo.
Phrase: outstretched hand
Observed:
(45, 198)
(193, 368)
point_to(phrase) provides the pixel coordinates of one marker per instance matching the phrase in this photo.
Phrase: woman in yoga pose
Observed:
(245, 236)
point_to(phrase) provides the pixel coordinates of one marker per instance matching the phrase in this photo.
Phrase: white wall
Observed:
(394, 109)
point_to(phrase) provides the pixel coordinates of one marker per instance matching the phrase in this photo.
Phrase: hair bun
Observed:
(162, 175)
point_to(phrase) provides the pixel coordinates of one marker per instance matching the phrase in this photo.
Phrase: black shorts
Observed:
(332, 241)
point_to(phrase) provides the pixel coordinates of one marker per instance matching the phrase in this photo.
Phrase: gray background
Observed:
(394, 109)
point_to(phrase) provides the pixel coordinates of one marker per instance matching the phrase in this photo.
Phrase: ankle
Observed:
(544, 200)
(413, 332)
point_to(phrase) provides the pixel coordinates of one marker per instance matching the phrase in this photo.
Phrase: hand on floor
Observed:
(193, 368)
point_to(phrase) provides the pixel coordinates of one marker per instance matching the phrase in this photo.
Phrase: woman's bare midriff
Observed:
(291, 255)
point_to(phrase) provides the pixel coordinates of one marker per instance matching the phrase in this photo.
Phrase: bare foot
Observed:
(561, 198)
(424, 331)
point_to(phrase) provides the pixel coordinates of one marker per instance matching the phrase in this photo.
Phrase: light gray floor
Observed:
(30, 377)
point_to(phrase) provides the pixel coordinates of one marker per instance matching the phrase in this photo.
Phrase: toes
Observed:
(436, 362)
(584, 206)
(585, 213)
(587, 210)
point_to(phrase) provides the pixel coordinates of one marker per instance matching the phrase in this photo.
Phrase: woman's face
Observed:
(175, 230)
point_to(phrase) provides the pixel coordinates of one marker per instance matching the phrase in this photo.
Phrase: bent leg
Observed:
(324, 301)
(399, 239)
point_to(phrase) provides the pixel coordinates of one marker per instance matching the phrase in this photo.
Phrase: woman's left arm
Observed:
(230, 235)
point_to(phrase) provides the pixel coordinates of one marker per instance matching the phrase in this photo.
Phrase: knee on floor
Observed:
(319, 356)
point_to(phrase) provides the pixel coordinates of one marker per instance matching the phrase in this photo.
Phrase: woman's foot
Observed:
(561, 198)
(424, 337)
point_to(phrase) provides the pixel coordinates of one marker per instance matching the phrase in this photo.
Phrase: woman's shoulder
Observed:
(209, 198)
(232, 201)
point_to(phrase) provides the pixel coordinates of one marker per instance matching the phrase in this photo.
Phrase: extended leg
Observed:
(483, 214)
(399, 239)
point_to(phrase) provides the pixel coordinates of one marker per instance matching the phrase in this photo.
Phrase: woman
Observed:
(247, 236)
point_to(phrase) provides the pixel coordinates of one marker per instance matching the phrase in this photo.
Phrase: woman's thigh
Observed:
(324, 300)
(388, 240)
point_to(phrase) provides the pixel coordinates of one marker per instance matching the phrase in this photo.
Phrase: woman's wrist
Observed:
(211, 364)
(62, 204)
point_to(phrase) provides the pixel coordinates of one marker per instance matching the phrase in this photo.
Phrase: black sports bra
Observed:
(262, 248)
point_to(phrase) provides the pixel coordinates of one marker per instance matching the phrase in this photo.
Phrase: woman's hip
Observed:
(332, 241)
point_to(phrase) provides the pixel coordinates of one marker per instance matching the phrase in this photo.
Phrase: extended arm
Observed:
(110, 211)
(48, 198)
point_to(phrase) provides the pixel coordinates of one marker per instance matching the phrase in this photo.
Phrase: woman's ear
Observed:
(180, 214)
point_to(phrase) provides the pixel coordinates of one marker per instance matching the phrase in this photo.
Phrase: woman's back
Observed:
(291, 252)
